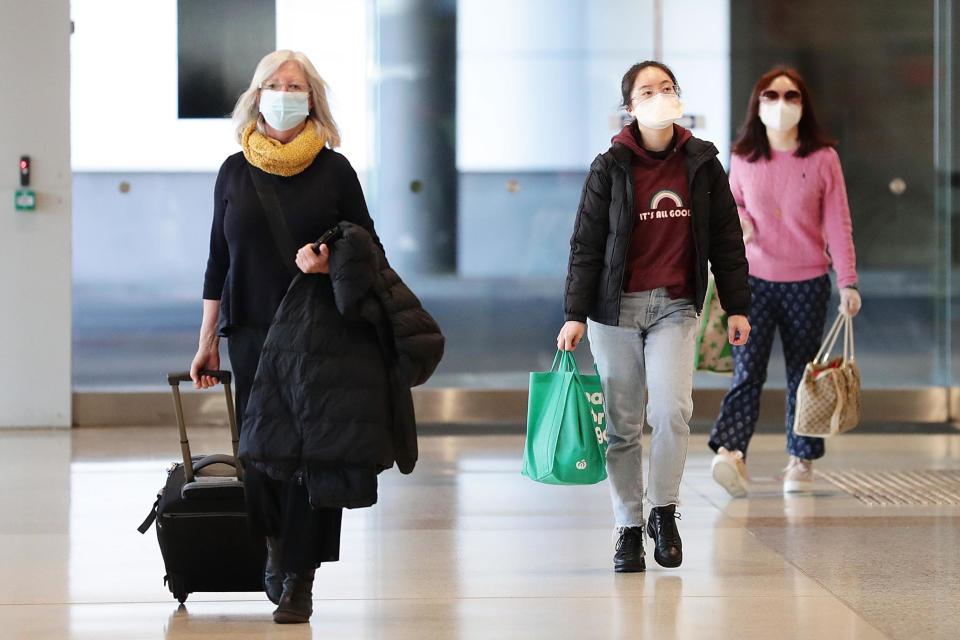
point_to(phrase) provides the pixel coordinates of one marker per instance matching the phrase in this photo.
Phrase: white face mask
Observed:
(284, 110)
(780, 115)
(659, 112)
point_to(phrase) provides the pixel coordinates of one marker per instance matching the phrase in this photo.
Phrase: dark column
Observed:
(416, 173)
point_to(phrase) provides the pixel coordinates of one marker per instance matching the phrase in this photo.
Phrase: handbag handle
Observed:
(849, 351)
(829, 341)
(844, 324)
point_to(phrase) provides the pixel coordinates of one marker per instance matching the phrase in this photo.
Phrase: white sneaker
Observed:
(798, 476)
(730, 472)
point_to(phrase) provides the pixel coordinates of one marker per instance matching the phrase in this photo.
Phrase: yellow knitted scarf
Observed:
(280, 159)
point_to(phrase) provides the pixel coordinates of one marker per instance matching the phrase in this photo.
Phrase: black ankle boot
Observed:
(296, 602)
(628, 557)
(662, 528)
(272, 575)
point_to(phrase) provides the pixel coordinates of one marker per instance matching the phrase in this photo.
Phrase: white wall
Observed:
(538, 81)
(696, 45)
(124, 58)
(35, 247)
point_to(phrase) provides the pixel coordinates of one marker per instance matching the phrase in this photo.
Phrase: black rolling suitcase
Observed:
(201, 517)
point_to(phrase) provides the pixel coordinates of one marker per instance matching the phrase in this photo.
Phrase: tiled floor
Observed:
(467, 548)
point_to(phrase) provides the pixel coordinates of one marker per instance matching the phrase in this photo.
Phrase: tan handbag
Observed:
(828, 398)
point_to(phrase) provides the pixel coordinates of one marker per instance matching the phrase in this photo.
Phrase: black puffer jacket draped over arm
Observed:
(332, 392)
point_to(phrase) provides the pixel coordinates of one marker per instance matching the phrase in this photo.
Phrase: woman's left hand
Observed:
(310, 262)
(738, 328)
(850, 302)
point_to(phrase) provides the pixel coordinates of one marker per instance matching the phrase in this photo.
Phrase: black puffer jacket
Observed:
(331, 397)
(605, 222)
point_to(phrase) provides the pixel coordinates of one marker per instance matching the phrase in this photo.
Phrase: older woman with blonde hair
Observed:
(287, 134)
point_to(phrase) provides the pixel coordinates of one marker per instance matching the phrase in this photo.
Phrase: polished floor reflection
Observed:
(467, 548)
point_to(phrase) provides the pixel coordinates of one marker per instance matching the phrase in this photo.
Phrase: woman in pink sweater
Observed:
(786, 179)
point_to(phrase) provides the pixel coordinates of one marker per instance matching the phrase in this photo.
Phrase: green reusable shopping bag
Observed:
(566, 425)
(713, 352)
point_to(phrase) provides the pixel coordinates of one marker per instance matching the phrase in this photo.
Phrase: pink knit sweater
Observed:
(799, 212)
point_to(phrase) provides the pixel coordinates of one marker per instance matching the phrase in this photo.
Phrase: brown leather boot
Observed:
(296, 602)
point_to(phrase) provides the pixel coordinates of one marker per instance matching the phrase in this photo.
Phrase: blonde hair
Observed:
(246, 110)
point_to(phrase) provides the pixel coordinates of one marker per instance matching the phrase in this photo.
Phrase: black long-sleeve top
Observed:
(245, 270)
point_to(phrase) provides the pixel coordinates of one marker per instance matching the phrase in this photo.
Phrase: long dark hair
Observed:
(752, 142)
(626, 84)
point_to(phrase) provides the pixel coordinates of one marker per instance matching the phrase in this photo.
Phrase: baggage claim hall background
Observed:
(471, 125)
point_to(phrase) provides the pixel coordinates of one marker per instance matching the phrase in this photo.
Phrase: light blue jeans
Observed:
(646, 367)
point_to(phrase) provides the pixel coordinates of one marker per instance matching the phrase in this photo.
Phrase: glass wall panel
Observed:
(472, 124)
(947, 128)
(870, 69)
(143, 178)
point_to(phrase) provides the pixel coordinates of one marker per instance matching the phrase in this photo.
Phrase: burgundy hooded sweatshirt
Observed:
(661, 250)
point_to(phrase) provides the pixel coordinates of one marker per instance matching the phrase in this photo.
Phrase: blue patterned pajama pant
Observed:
(799, 311)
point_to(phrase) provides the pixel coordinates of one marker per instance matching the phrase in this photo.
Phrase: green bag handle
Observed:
(564, 361)
(556, 360)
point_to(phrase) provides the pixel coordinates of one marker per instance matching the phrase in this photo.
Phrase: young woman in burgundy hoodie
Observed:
(655, 208)
(785, 175)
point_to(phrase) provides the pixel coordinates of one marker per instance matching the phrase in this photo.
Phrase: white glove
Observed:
(850, 302)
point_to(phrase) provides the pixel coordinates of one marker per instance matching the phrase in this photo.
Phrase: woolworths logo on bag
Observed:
(581, 464)
(599, 426)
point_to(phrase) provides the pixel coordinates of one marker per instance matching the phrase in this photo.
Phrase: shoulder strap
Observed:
(278, 224)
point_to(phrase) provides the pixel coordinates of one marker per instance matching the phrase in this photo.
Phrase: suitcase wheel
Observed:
(178, 588)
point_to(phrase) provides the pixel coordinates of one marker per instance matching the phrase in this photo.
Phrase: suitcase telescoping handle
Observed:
(225, 377)
(176, 378)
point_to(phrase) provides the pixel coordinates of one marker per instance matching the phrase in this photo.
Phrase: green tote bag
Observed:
(566, 426)
(713, 352)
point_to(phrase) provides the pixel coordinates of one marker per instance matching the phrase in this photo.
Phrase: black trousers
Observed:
(280, 509)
